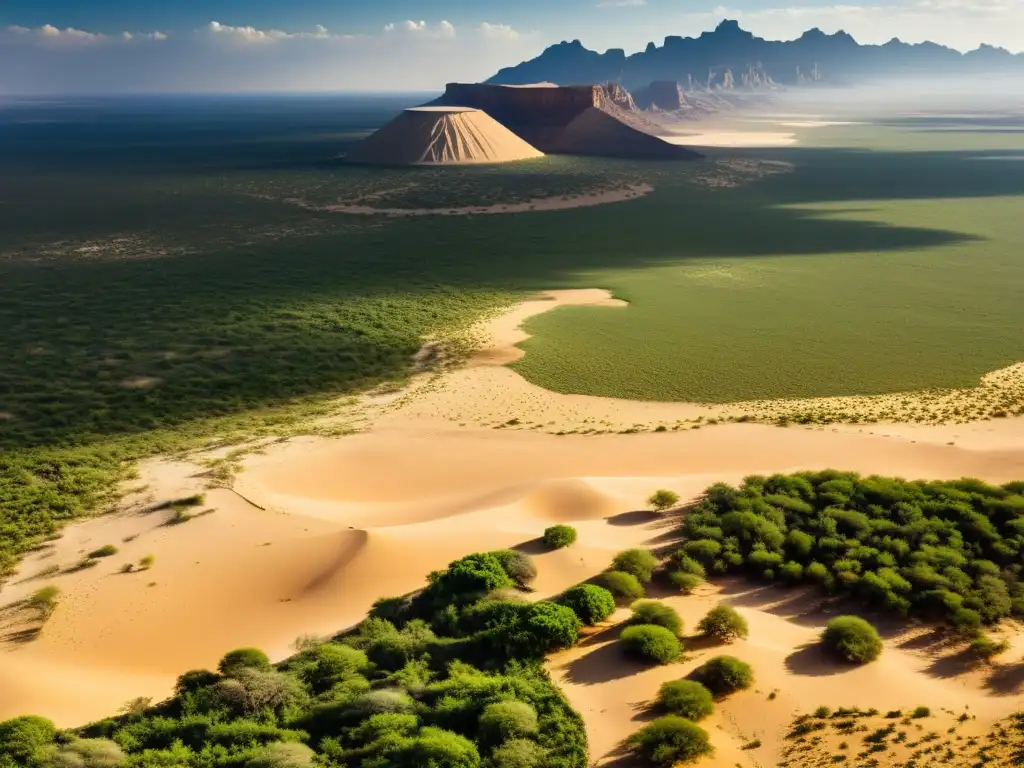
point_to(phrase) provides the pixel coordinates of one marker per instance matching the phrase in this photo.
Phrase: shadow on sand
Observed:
(811, 660)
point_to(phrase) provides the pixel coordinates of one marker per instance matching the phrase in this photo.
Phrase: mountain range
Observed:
(730, 56)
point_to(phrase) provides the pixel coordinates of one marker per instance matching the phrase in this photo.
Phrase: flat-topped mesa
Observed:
(595, 120)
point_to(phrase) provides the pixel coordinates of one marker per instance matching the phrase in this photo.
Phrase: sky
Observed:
(107, 46)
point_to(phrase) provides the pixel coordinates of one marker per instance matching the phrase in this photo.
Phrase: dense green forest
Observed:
(450, 678)
(951, 551)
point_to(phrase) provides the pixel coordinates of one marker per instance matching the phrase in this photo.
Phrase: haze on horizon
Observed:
(112, 46)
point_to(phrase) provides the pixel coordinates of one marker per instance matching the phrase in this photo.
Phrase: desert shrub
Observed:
(430, 748)
(591, 603)
(283, 755)
(506, 720)
(242, 658)
(663, 499)
(704, 551)
(519, 566)
(905, 547)
(515, 630)
(23, 739)
(723, 623)
(324, 665)
(107, 550)
(724, 675)
(44, 600)
(853, 639)
(463, 580)
(686, 698)
(683, 562)
(921, 712)
(658, 614)
(87, 753)
(986, 647)
(146, 562)
(636, 562)
(518, 753)
(250, 691)
(685, 582)
(670, 740)
(651, 643)
(559, 536)
(624, 586)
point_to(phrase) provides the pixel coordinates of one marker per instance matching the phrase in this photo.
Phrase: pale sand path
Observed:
(734, 139)
(346, 521)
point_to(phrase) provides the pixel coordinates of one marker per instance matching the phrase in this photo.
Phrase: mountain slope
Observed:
(731, 54)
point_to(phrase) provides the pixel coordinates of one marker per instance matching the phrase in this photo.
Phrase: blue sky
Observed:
(101, 45)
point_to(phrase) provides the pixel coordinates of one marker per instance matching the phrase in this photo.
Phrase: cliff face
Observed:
(756, 63)
(600, 120)
(661, 96)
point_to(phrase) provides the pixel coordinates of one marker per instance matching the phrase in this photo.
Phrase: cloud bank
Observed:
(408, 55)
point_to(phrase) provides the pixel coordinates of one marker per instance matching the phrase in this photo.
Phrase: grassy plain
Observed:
(164, 276)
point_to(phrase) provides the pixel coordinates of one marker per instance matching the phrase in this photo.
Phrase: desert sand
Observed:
(313, 530)
(734, 139)
(442, 136)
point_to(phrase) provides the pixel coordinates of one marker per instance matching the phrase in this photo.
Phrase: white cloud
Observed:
(498, 31)
(410, 56)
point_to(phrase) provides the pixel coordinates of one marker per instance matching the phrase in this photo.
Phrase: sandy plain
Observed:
(313, 530)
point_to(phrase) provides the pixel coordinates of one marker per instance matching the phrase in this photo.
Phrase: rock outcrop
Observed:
(661, 96)
(597, 120)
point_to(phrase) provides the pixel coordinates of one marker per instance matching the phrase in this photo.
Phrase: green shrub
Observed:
(519, 566)
(663, 499)
(283, 755)
(107, 550)
(431, 748)
(724, 675)
(22, 739)
(506, 720)
(518, 753)
(852, 639)
(986, 647)
(670, 740)
(243, 658)
(658, 614)
(686, 698)
(559, 536)
(591, 603)
(651, 643)
(685, 582)
(624, 586)
(44, 600)
(723, 623)
(637, 562)
(921, 712)
(683, 562)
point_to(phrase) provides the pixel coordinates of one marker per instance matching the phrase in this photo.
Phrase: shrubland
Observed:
(951, 551)
(451, 678)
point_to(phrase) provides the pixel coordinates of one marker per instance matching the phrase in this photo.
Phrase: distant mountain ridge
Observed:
(732, 57)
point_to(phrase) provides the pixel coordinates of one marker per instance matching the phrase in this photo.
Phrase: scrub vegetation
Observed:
(451, 679)
(949, 551)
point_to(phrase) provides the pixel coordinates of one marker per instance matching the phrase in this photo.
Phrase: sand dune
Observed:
(317, 529)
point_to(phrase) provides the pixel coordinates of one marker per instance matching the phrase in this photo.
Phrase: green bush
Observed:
(724, 675)
(663, 499)
(243, 658)
(670, 741)
(518, 753)
(559, 536)
(685, 582)
(648, 642)
(506, 720)
(107, 550)
(22, 739)
(658, 614)
(852, 639)
(723, 623)
(591, 603)
(624, 586)
(921, 712)
(519, 566)
(686, 698)
(283, 755)
(986, 647)
(683, 562)
(637, 562)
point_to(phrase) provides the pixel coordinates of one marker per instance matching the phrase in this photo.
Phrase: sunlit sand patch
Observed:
(735, 139)
(140, 382)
